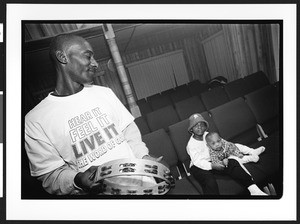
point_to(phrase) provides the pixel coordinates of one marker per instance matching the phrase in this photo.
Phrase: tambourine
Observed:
(134, 177)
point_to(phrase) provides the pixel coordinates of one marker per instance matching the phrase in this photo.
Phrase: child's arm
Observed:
(199, 157)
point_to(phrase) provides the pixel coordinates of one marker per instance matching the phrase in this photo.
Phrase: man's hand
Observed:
(217, 167)
(85, 180)
(159, 160)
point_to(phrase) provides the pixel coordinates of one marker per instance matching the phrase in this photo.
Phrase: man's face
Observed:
(199, 128)
(214, 141)
(81, 65)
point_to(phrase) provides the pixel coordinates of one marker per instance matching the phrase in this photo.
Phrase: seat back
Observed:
(158, 101)
(144, 106)
(189, 106)
(180, 136)
(214, 97)
(142, 125)
(212, 126)
(180, 93)
(236, 88)
(236, 122)
(277, 86)
(256, 81)
(264, 104)
(196, 88)
(162, 118)
(160, 144)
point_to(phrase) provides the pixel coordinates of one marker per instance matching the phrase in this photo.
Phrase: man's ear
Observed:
(61, 57)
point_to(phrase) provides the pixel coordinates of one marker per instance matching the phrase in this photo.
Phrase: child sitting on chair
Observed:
(221, 150)
(203, 169)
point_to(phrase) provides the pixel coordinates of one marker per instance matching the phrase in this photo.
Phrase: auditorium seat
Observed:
(180, 93)
(196, 88)
(162, 118)
(168, 92)
(189, 106)
(264, 104)
(142, 125)
(277, 86)
(256, 81)
(207, 116)
(158, 101)
(144, 106)
(235, 121)
(180, 137)
(160, 144)
(214, 97)
(236, 88)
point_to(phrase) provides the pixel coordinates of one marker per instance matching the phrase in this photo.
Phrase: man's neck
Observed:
(66, 91)
(66, 87)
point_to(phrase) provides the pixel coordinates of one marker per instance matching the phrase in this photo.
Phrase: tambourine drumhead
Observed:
(134, 177)
(141, 181)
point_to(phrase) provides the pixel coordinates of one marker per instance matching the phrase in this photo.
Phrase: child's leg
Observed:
(241, 174)
(249, 158)
(245, 159)
(259, 150)
(206, 179)
(247, 150)
(235, 170)
(254, 190)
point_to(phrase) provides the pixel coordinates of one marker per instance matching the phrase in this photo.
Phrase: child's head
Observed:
(213, 140)
(197, 124)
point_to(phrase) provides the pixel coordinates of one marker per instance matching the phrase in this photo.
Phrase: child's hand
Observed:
(225, 162)
(159, 160)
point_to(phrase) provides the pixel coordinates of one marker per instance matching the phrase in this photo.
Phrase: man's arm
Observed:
(47, 166)
(60, 181)
(66, 181)
(133, 136)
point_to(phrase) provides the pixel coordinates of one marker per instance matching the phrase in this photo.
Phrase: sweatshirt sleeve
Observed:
(61, 181)
(133, 136)
(121, 116)
(199, 157)
(46, 164)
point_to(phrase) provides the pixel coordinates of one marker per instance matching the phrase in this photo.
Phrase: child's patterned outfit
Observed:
(230, 149)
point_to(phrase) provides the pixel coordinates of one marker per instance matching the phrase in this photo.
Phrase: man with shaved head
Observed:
(78, 126)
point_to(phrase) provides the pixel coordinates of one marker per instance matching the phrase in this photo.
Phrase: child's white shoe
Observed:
(254, 190)
(259, 150)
